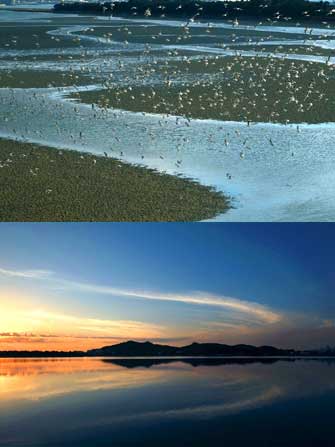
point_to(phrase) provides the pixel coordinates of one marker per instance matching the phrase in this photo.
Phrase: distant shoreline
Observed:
(177, 357)
(16, 9)
(188, 11)
(192, 10)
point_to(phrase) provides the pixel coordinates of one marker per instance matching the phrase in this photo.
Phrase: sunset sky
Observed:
(79, 286)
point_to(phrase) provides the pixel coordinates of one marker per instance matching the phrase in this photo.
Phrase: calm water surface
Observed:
(113, 402)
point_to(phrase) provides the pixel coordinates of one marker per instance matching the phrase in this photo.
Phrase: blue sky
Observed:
(84, 285)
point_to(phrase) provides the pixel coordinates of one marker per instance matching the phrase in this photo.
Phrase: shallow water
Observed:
(285, 174)
(275, 181)
(181, 402)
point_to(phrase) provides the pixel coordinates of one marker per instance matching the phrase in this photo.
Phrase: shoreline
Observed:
(39, 183)
(71, 355)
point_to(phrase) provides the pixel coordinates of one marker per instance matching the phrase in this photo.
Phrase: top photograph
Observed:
(167, 110)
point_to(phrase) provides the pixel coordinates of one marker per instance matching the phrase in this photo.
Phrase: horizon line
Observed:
(326, 348)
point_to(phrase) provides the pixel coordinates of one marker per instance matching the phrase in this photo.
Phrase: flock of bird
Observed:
(184, 71)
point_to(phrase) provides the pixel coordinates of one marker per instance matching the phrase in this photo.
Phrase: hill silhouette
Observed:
(148, 349)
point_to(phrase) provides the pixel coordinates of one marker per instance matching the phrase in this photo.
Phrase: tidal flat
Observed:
(226, 89)
(243, 109)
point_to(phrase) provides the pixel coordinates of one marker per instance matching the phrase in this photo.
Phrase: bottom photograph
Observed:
(167, 335)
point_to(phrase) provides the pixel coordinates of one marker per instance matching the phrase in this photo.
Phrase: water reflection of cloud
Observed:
(225, 390)
(204, 411)
(96, 395)
(34, 379)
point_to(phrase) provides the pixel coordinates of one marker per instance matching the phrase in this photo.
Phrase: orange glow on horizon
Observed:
(24, 328)
(59, 343)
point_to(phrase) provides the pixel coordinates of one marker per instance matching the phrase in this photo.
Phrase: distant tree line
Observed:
(197, 9)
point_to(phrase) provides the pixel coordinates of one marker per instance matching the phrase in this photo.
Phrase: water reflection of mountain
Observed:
(150, 362)
(173, 404)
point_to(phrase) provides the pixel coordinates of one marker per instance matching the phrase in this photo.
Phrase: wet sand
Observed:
(44, 184)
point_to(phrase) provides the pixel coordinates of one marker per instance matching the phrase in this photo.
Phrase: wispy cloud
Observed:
(256, 310)
(48, 330)
(242, 309)
(48, 322)
(27, 329)
(28, 274)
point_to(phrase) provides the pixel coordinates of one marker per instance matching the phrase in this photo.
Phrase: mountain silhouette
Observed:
(148, 349)
(136, 349)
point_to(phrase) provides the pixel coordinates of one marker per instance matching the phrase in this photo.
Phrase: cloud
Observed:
(42, 321)
(27, 274)
(37, 329)
(257, 311)
(30, 336)
(46, 329)
(234, 308)
(235, 316)
(299, 331)
(328, 323)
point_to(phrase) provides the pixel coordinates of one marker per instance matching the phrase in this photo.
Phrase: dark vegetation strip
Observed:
(273, 9)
